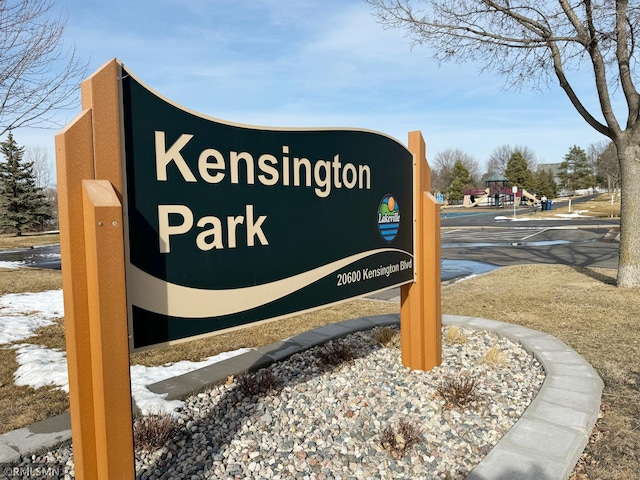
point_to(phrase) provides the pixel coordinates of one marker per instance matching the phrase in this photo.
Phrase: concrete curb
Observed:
(548, 439)
(544, 444)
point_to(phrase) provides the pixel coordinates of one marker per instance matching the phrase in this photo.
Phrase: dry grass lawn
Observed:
(20, 406)
(599, 207)
(8, 241)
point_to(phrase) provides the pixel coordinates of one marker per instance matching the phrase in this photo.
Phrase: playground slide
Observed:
(531, 199)
(467, 201)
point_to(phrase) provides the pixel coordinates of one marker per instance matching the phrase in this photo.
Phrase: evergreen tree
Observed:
(545, 184)
(461, 181)
(22, 204)
(518, 172)
(575, 171)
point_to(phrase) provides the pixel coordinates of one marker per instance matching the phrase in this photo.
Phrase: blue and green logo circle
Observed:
(388, 217)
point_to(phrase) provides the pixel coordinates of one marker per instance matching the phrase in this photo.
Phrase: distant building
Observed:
(554, 168)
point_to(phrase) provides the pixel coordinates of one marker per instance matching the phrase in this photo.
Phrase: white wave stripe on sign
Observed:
(164, 298)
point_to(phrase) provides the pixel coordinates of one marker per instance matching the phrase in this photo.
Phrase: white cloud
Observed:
(317, 63)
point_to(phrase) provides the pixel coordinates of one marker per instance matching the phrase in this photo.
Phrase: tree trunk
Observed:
(629, 260)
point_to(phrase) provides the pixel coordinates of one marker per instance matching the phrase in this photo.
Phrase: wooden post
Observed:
(74, 160)
(108, 323)
(93, 274)
(101, 94)
(420, 310)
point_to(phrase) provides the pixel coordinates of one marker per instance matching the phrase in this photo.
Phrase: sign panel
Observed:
(230, 224)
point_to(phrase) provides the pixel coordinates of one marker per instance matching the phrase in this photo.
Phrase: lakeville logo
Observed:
(388, 217)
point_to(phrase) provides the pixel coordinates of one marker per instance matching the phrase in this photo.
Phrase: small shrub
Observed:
(257, 383)
(455, 335)
(388, 337)
(151, 432)
(494, 357)
(398, 441)
(458, 391)
(336, 353)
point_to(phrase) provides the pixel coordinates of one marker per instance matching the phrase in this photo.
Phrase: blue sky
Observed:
(314, 63)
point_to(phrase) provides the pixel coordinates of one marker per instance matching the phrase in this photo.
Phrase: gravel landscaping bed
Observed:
(367, 417)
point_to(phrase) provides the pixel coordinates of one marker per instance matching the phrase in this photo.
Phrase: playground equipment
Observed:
(497, 185)
(531, 199)
(467, 202)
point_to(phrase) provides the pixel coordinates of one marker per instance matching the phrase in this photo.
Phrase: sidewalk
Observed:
(544, 444)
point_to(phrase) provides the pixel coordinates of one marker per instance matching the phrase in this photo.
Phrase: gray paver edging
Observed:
(547, 440)
(544, 444)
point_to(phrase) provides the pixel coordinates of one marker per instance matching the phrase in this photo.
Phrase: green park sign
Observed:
(174, 226)
(227, 224)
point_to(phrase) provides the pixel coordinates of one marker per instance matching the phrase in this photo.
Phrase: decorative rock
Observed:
(328, 422)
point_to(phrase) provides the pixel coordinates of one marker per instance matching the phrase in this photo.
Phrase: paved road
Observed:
(570, 244)
(495, 236)
(47, 256)
(477, 243)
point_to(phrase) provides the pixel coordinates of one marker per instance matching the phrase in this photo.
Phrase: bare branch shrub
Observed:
(257, 383)
(336, 353)
(397, 441)
(151, 432)
(458, 391)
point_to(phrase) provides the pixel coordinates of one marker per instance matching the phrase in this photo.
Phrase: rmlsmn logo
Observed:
(388, 218)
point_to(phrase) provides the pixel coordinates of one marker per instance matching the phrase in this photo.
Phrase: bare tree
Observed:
(442, 168)
(42, 168)
(534, 43)
(38, 76)
(606, 163)
(501, 155)
(594, 151)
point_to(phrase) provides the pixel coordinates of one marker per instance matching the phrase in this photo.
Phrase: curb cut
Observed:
(544, 444)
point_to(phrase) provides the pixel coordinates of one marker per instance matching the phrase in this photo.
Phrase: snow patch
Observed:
(141, 376)
(21, 314)
(11, 265)
(513, 219)
(40, 366)
(43, 367)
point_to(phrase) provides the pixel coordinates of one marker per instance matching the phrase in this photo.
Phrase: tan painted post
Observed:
(420, 311)
(74, 159)
(94, 282)
(100, 93)
(108, 322)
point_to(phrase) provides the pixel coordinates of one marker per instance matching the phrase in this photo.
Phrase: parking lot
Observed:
(518, 236)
